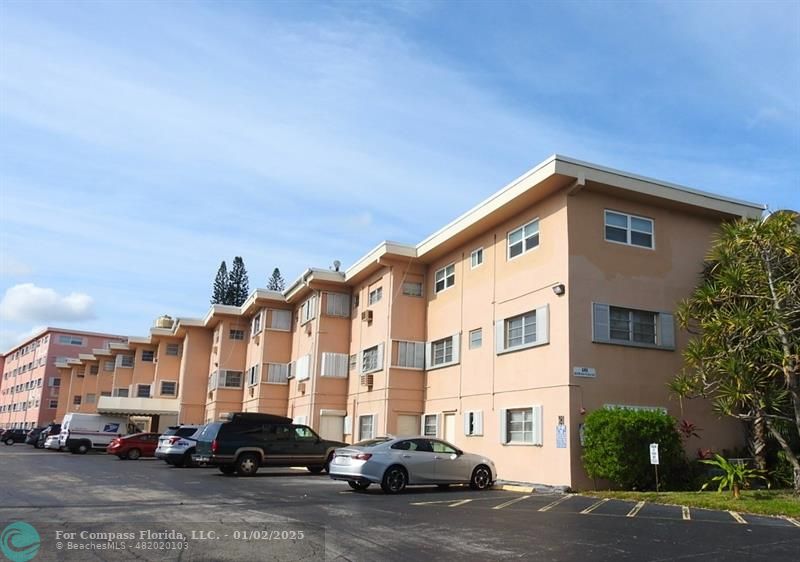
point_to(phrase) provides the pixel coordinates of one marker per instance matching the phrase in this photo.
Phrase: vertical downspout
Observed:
(494, 313)
(315, 355)
(387, 350)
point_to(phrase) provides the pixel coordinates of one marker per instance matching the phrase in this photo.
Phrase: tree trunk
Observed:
(789, 455)
(759, 442)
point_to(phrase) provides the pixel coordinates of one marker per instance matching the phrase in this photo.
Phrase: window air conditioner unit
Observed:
(308, 327)
(366, 380)
(366, 316)
(257, 339)
(301, 387)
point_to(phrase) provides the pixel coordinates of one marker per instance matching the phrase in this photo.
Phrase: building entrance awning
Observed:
(137, 406)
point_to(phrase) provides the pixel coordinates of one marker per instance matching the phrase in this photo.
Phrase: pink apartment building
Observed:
(499, 332)
(30, 384)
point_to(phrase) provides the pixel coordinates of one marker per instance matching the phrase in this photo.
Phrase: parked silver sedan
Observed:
(396, 462)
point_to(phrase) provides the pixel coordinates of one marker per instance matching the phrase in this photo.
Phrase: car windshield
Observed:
(371, 442)
(186, 431)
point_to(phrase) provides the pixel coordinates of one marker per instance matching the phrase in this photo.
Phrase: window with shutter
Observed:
(523, 331)
(334, 364)
(628, 326)
(277, 373)
(410, 354)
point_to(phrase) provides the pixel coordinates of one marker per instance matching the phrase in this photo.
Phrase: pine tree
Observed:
(276, 282)
(238, 284)
(220, 293)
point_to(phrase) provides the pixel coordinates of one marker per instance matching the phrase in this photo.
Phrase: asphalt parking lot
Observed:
(59, 491)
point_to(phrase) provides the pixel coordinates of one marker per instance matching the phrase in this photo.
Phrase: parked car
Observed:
(82, 432)
(177, 445)
(52, 429)
(245, 442)
(53, 442)
(11, 436)
(134, 446)
(33, 435)
(395, 463)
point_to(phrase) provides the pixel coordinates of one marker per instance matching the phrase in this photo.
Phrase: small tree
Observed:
(617, 444)
(238, 283)
(220, 291)
(276, 282)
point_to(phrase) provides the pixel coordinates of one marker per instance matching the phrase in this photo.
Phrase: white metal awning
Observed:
(137, 406)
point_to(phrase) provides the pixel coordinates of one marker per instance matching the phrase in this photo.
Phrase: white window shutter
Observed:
(466, 423)
(348, 425)
(456, 347)
(380, 357)
(478, 422)
(537, 425)
(543, 324)
(326, 358)
(427, 355)
(600, 323)
(375, 431)
(666, 330)
(360, 361)
(419, 355)
(439, 429)
(422, 424)
(499, 335)
(503, 428)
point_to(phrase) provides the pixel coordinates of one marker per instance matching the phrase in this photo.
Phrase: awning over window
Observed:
(137, 406)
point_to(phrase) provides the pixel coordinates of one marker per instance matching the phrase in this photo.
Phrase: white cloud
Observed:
(12, 267)
(28, 303)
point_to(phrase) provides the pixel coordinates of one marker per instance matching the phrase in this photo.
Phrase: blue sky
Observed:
(142, 143)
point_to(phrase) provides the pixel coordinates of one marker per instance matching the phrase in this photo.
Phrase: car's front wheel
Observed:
(394, 480)
(481, 478)
(82, 449)
(247, 464)
(358, 485)
(9, 441)
(134, 454)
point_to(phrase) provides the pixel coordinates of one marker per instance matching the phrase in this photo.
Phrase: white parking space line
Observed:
(685, 512)
(433, 502)
(636, 509)
(510, 502)
(462, 502)
(794, 522)
(594, 506)
(550, 506)
(738, 518)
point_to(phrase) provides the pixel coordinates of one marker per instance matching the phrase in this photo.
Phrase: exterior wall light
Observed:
(559, 289)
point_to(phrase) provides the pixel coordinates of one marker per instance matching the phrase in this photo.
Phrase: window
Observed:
(54, 381)
(70, 340)
(521, 425)
(108, 365)
(473, 423)
(445, 278)
(173, 349)
(105, 393)
(476, 258)
(280, 320)
(353, 362)
(522, 331)
(276, 373)
(627, 326)
(430, 425)
(302, 368)
(252, 375)
(308, 310)
(120, 392)
(52, 404)
(442, 352)
(338, 304)
(475, 338)
(410, 355)
(148, 355)
(230, 379)
(94, 369)
(628, 229)
(169, 388)
(76, 400)
(235, 334)
(523, 239)
(255, 324)
(356, 300)
(366, 427)
(371, 359)
(412, 289)
(91, 398)
(125, 361)
(142, 391)
(334, 364)
(375, 295)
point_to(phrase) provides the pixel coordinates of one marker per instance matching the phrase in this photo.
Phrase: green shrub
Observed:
(617, 448)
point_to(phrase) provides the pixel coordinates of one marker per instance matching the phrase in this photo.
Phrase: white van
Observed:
(82, 432)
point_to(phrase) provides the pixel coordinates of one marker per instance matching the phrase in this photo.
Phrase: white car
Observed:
(52, 442)
(177, 445)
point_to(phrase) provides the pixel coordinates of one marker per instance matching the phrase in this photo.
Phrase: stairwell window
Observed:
(523, 239)
(445, 278)
(173, 349)
(623, 228)
(412, 289)
(235, 334)
(375, 295)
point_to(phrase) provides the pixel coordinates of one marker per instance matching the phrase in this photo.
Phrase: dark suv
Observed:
(11, 436)
(244, 442)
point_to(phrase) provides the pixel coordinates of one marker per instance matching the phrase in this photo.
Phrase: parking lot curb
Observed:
(515, 488)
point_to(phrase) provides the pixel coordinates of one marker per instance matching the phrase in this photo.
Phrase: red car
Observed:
(134, 446)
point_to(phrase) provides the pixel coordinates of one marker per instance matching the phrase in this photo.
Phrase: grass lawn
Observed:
(763, 502)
